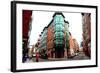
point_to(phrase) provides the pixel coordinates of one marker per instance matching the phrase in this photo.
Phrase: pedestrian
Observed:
(37, 57)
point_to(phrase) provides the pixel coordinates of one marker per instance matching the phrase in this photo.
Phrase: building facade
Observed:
(71, 46)
(26, 28)
(75, 46)
(59, 42)
(55, 37)
(86, 26)
(43, 43)
(50, 38)
(66, 36)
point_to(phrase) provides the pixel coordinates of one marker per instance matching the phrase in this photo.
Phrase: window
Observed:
(58, 41)
(59, 35)
(58, 28)
(58, 19)
(61, 19)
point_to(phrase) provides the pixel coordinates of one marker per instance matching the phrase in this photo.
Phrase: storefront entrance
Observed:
(59, 52)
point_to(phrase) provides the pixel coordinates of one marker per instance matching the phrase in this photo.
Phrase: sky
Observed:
(41, 19)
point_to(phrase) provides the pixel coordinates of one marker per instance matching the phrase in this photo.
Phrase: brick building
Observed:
(57, 39)
(86, 21)
(26, 28)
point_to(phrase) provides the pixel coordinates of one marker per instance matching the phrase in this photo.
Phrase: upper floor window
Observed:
(59, 19)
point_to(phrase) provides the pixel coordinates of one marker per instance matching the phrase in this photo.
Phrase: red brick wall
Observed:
(26, 16)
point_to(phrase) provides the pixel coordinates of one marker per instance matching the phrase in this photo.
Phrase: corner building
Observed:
(59, 42)
(57, 37)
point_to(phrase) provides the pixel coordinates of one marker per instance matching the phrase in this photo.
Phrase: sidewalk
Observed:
(79, 56)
